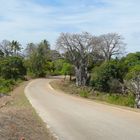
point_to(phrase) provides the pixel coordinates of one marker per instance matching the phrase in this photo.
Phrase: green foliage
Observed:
(84, 93)
(37, 59)
(15, 47)
(104, 75)
(117, 76)
(128, 62)
(132, 59)
(67, 69)
(60, 67)
(1, 54)
(133, 72)
(121, 100)
(114, 86)
(42, 61)
(12, 67)
(109, 76)
(38, 63)
(50, 68)
(133, 80)
(6, 85)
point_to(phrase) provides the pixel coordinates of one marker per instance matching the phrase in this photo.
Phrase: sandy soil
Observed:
(18, 119)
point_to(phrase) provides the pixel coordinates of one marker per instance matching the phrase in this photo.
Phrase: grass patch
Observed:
(84, 93)
(128, 100)
(87, 92)
(8, 85)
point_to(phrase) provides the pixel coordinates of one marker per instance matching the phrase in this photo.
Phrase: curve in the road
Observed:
(73, 118)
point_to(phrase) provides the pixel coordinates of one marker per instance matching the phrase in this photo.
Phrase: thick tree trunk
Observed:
(136, 87)
(77, 76)
(81, 75)
(137, 100)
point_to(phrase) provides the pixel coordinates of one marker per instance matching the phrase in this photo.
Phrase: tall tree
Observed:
(77, 47)
(5, 47)
(110, 44)
(55, 55)
(45, 47)
(40, 58)
(36, 58)
(15, 47)
(30, 49)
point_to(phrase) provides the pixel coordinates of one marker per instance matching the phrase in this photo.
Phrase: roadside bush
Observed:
(132, 81)
(122, 100)
(132, 59)
(105, 77)
(6, 85)
(84, 93)
(12, 68)
(115, 85)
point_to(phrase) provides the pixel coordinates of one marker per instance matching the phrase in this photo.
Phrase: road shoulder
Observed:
(57, 85)
(18, 119)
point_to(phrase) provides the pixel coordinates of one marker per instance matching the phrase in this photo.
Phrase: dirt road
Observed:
(73, 118)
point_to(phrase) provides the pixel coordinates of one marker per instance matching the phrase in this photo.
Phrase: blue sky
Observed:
(35, 20)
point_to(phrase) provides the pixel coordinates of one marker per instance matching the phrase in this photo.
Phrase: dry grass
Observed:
(87, 92)
(18, 119)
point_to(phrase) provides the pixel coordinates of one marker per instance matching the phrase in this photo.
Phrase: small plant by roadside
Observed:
(128, 100)
(7, 85)
(84, 93)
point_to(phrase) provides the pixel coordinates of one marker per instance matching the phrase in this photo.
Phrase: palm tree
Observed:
(15, 47)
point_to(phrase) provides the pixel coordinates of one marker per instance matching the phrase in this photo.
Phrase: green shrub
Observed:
(133, 72)
(12, 68)
(84, 93)
(115, 86)
(121, 100)
(132, 59)
(103, 76)
(6, 85)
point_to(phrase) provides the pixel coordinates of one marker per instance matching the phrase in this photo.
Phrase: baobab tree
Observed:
(77, 47)
(110, 45)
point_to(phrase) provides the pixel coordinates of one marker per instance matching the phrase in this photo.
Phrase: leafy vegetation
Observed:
(121, 100)
(107, 76)
(93, 61)
(12, 69)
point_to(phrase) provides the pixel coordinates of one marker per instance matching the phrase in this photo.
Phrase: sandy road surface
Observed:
(73, 118)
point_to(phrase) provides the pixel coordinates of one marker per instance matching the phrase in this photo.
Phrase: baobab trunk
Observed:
(137, 100)
(81, 76)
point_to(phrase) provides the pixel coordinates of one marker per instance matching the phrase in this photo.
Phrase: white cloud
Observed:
(31, 21)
